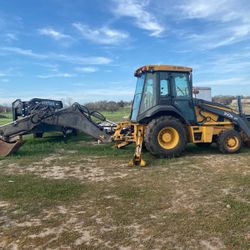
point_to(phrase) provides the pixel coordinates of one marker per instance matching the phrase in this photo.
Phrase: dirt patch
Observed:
(5, 221)
(4, 204)
(72, 223)
(94, 169)
(220, 163)
(185, 199)
(85, 238)
(212, 244)
(51, 158)
(87, 169)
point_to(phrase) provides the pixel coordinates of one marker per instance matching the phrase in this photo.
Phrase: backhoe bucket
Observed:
(7, 148)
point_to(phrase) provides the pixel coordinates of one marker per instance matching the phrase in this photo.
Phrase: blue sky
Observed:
(86, 50)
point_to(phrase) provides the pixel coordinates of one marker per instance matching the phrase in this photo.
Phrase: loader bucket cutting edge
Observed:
(7, 148)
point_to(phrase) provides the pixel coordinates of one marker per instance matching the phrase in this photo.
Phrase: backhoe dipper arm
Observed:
(76, 117)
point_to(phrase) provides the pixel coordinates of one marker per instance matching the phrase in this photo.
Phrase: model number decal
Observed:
(230, 116)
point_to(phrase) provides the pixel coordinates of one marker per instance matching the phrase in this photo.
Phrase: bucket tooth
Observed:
(7, 148)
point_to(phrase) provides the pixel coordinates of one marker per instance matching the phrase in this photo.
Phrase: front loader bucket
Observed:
(7, 148)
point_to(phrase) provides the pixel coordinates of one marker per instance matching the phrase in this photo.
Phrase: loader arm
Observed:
(240, 120)
(76, 117)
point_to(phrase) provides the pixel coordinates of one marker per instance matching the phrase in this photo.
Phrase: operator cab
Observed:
(163, 88)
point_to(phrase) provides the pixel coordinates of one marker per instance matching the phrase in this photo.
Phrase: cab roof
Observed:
(162, 68)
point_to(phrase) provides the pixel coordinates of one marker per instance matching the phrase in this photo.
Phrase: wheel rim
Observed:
(168, 138)
(232, 142)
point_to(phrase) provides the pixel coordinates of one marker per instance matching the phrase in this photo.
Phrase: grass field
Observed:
(7, 119)
(75, 194)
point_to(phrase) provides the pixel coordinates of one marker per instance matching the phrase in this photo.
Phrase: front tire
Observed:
(165, 137)
(229, 142)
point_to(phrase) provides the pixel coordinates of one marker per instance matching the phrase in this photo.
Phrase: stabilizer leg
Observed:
(137, 159)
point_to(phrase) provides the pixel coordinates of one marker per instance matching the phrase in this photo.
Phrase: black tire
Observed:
(153, 135)
(247, 144)
(245, 139)
(203, 145)
(38, 135)
(229, 142)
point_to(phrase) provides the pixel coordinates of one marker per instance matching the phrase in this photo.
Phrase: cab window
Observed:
(164, 84)
(149, 93)
(181, 85)
(137, 97)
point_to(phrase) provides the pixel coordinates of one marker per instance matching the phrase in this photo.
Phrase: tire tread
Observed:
(149, 133)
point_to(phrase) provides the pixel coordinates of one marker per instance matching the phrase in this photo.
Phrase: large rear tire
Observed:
(165, 137)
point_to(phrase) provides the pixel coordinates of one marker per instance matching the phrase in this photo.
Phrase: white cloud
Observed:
(58, 75)
(50, 66)
(5, 80)
(221, 35)
(82, 60)
(79, 84)
(196, 9)
(223, 10)
(229, 21)
(8, 72)
(23, 52)
(233, 64)
(136, 9)
(56, 35)
(93, 60)
(11, 36)
(95, 94)
(86, 69)
(10, 23)
(103, 35)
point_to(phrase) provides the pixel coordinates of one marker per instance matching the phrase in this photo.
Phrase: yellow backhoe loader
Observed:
(164, 117)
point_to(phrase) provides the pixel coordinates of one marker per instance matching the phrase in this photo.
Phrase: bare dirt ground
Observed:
(198, 201)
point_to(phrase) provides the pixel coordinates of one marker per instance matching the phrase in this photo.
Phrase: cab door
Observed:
(181, 89)
(164, 89)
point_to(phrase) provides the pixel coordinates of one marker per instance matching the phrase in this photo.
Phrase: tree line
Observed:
(107, 105)
(110, 106)
(5, 109)
(226, 99)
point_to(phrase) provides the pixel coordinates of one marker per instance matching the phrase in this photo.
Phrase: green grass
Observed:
(118, 115)
(30, 195)
(7, 119)
(23, 189)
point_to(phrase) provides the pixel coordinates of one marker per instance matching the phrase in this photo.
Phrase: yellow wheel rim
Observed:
(168, 138)
(232, 142)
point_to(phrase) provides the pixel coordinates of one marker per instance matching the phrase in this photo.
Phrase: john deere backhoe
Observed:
(164, 117)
